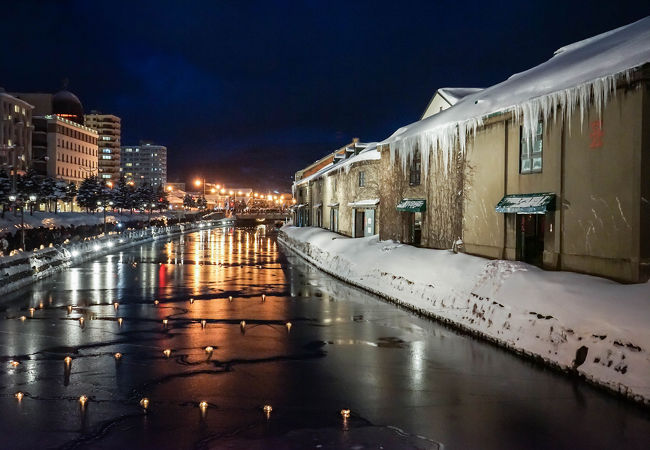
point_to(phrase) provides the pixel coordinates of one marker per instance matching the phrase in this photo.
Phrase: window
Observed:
(362, 178)
(531, 151)
(107, 157)
(415, 170)
(106, 150)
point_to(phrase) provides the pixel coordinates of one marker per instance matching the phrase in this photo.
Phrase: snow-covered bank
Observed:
(593, 326)
(23, 268)
(11, 223)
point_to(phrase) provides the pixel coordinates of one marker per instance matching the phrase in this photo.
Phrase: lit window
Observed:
(106, 138)
(107, 157)
(415, 169)
(531, 151)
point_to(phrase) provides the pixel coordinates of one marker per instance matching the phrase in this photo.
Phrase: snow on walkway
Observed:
(596, 326)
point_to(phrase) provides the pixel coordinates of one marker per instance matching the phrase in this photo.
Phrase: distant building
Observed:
(109, 129)
(62, 147)
(342, 194)
(71, 149)
(144, 163)
(15, 132)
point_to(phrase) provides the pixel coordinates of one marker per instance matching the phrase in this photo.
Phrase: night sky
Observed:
(247, 92)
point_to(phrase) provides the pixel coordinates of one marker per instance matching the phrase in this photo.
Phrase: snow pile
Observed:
(577, 76)
(581, 323)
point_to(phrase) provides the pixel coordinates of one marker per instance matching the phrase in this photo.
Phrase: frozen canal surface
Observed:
(409, 382)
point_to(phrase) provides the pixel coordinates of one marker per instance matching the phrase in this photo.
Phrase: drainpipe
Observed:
(505, 189)
(560, 210)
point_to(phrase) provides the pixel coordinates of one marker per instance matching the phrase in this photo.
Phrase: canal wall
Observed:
(584, 325)
(24, 268)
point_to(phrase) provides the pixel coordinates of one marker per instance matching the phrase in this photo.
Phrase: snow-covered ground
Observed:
(595, 326)
(11, 223)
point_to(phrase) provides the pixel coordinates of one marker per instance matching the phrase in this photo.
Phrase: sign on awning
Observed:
(527, 203)
(412, 205)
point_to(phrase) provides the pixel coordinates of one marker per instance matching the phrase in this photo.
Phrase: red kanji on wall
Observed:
(597, 134)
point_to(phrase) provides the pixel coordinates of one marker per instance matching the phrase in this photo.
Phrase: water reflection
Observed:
(311, 347)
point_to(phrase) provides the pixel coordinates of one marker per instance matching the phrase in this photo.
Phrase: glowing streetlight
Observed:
(119, 321)
(82, 400)
(345, 413)
(209, 349)
(165, 322)
(19, 396)
(67, 360)
(117, 356)
(14, 363)
(203, 323)
(144, 403)
(288, 325)
(116, 305)
(167, 352)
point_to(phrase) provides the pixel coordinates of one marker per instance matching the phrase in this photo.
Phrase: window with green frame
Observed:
(531, 151)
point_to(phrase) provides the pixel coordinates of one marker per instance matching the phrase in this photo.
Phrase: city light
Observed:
(167, 352)
(83, 399)
(117, 356)
(197, 183)
(144, 403)
(19, 396)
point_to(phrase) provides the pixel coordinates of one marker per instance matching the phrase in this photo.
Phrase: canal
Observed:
(281, 334)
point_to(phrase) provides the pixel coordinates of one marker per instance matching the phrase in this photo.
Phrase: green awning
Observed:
(412, 205)
(527, 203)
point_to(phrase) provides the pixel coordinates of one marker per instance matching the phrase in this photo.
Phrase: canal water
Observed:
(407, 381)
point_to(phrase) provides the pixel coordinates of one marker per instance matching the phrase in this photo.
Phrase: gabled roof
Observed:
(452, 95)
(574, 76)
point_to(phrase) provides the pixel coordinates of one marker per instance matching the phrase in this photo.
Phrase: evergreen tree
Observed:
(144, 196)
(121, 195)
(188, 201)
(46, 189)
(70, 192)
(89, 193)
(201, 202)
(5, 190)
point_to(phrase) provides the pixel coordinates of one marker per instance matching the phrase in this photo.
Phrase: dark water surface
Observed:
(409, 382)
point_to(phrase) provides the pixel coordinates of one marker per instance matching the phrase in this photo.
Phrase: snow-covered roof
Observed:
(370, 152)
(453, 95)
(364, 203)
(574, 75)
